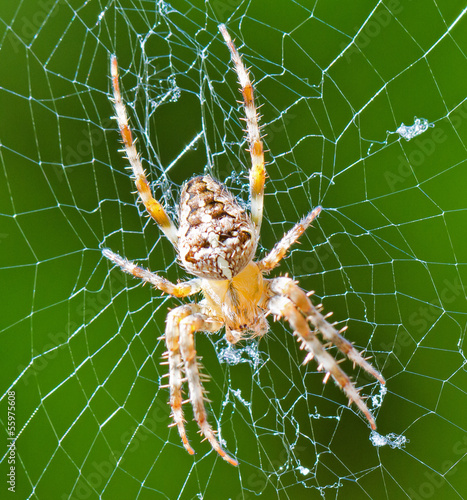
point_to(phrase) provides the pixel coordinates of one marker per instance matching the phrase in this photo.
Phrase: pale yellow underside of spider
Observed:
(216, 241)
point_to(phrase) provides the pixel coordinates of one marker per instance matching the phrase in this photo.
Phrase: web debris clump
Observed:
(410, 131)
(234, 355)
(392, 440)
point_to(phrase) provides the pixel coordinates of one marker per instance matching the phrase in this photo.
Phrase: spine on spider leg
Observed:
(258, 171)
(154, 208)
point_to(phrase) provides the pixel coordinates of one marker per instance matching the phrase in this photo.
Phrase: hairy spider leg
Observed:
(179, 290)
(292, 303)
(273, 258)
(287, 287)
(257, 171)
(175, 362)
(154, 208)
(182, 323)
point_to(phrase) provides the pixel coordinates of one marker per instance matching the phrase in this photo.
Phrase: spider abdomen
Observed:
(216, 237)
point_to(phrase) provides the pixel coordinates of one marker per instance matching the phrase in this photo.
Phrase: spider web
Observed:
(364, 111)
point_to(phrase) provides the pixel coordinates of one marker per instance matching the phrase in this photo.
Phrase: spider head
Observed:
(216, 237)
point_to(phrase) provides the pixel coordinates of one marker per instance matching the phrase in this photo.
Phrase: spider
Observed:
(216, 240)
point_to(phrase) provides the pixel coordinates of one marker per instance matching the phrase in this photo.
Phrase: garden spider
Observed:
(216, 241)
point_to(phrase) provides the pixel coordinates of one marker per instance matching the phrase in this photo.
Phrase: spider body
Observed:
(216, 237)
(239, 302)
(216, 242)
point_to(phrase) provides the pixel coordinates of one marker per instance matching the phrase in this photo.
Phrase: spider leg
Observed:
(179, 290)
(188, 325)
(273, 258)
(154, 208)
(172, 340)
(257, 171)
(292, 303)
(287, 287)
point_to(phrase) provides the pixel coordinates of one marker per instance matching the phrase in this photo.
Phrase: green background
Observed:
(79, 341)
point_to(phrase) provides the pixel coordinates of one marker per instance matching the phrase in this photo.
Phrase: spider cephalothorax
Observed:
(216, 241)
